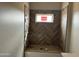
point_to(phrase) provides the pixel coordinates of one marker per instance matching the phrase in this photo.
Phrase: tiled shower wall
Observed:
(45, 33)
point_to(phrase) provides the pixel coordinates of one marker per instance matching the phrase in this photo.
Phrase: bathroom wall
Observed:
(46, 5)
(45, 33)
(11, 29)
(75, 29)
(74, 37)
(26, 21)
(64, 19)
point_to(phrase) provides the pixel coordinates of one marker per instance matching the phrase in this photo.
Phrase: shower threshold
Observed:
(43, 48)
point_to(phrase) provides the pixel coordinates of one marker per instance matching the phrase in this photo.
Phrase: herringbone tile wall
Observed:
(45, 33)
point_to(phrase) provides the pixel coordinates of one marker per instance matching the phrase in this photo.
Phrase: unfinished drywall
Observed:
(45, 5)
(11, 29)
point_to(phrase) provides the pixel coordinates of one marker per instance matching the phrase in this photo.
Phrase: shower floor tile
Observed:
(43, 48)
